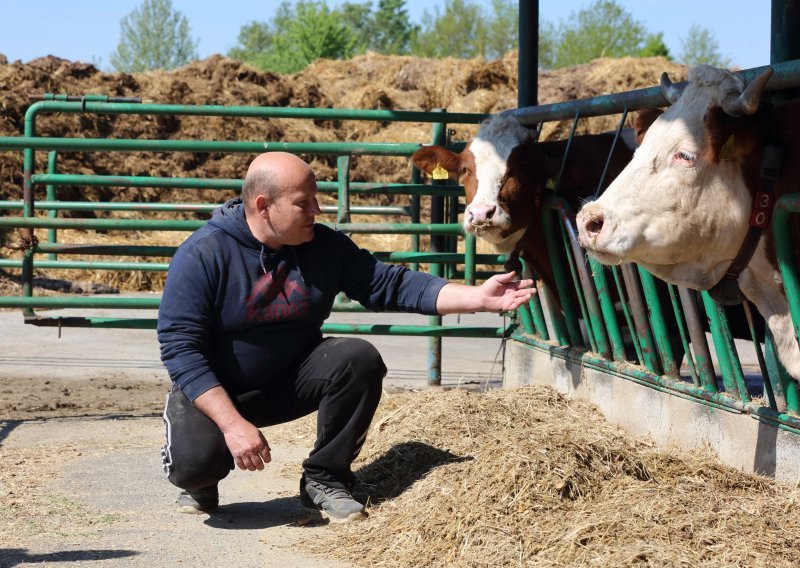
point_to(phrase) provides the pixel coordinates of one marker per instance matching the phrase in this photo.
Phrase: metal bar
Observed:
(595, 314)
(785, 249)
(137, 145)
(611, 151)
(659, 327)
(400, 210)
(565, 326)
(50, 190)
(256, 112)
(719, 400)
(439, 137)
(184, 225)
(528, 60)
(608, 311)
(415, 188)
(762, 364)
(721, 349)
(676, 310)
(697, 336)
(88, 265)
(343, 196)
(639, 314)
(626, 313)
(786, 75)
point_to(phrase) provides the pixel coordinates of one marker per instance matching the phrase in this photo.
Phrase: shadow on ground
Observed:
(397, 470)
(13, 556)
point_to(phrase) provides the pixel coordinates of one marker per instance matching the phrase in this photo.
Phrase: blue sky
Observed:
(88, 30)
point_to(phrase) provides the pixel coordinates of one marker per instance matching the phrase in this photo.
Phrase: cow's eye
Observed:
(684, 158)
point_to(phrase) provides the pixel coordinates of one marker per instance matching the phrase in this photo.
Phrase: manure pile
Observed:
(370, 81)
(526, 477)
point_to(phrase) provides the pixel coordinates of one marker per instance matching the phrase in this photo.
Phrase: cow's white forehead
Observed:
(491, 148)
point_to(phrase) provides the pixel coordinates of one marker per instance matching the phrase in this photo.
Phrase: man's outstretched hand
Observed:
(501, 293)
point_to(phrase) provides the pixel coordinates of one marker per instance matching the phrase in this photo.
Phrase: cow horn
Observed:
(671, 91)
(747, 102)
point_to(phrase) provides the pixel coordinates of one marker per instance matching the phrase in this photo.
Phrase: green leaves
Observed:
(153, 36)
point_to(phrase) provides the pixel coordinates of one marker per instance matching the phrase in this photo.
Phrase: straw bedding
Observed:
(525, 477)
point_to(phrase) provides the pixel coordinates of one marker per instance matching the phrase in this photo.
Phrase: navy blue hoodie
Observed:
(238, 314)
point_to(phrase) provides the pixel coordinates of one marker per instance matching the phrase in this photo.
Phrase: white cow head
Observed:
(681, 207)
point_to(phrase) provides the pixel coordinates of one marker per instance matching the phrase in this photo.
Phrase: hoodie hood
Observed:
(230, 218)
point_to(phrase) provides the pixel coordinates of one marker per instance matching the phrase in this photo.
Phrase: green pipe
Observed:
(660, 332)
(641, 322)
(607, 307)
(172, 225)
(762, 364)
(88, 265)
(785, 248)
(400, 210)
(255, 112)
(79, 302)
(136, 145)
(343, 194)
(786, 75)
(570, 317)
(234, 184)
(571, 263)
(108, 250)
(721, 349)
(536, 311)
(787, 385)
(52, 234)
(730, 346)
(722, 401)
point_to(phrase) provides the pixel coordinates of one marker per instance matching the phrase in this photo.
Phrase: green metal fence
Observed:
(31, 215)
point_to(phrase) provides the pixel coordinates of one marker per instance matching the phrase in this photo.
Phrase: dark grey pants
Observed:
(341, 378)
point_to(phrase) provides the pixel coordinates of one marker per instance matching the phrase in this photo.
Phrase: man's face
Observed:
(291, 215)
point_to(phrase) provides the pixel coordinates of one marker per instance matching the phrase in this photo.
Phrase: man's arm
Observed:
(498, 294)
(247, 444)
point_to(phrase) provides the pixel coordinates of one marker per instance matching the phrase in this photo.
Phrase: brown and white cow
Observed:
(682, 207)
(506, 174)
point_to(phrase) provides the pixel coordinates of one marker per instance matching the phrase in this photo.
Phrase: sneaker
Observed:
(204, 500)
(334, 503)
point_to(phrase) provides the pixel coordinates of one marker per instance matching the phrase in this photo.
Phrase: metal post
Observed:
(528, 59)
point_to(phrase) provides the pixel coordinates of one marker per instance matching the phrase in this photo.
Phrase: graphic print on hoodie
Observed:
(278, 296)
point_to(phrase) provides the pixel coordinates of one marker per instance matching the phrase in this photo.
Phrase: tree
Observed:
(700, 46)
(297, 35)
(153, 36)
(459, 31)
(392, 30)
(502, 34)
(358, 18)
(604, 29)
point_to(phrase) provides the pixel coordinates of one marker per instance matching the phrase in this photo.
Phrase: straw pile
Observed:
(525, 477)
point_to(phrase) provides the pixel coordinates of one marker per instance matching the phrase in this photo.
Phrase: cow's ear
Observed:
(727, 137)
(433, 159)
(642, 120)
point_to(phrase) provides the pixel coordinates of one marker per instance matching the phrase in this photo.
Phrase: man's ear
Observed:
(261, 206)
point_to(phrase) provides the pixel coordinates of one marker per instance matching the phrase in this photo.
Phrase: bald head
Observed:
(271, 173)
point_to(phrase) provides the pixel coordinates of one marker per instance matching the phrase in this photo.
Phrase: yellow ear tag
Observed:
(439, 172)
(727, 151)
(550, 183)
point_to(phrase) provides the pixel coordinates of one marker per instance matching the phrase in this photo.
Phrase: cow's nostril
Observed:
(594, 225)
(490, 212)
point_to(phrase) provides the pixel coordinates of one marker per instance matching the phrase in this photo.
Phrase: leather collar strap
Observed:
(726, 292)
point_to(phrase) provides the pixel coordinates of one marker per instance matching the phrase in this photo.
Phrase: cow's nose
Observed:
(481, 214)
(590, 223)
